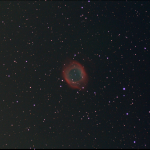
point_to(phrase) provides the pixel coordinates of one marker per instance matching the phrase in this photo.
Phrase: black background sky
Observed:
(37, 107)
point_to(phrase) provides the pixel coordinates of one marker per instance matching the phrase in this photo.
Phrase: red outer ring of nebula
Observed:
(73, 64)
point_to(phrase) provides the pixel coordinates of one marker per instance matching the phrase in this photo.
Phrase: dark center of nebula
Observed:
(75, 75)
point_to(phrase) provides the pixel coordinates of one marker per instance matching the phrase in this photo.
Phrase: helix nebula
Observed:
(75, 75)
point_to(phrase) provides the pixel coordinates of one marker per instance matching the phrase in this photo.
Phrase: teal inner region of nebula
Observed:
(75, 75)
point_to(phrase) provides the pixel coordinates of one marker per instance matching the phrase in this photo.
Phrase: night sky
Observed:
(38, 109)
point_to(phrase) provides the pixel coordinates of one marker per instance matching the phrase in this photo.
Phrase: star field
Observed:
(37, 107)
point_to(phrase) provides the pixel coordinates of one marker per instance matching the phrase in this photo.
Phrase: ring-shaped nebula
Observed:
(75, 75)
